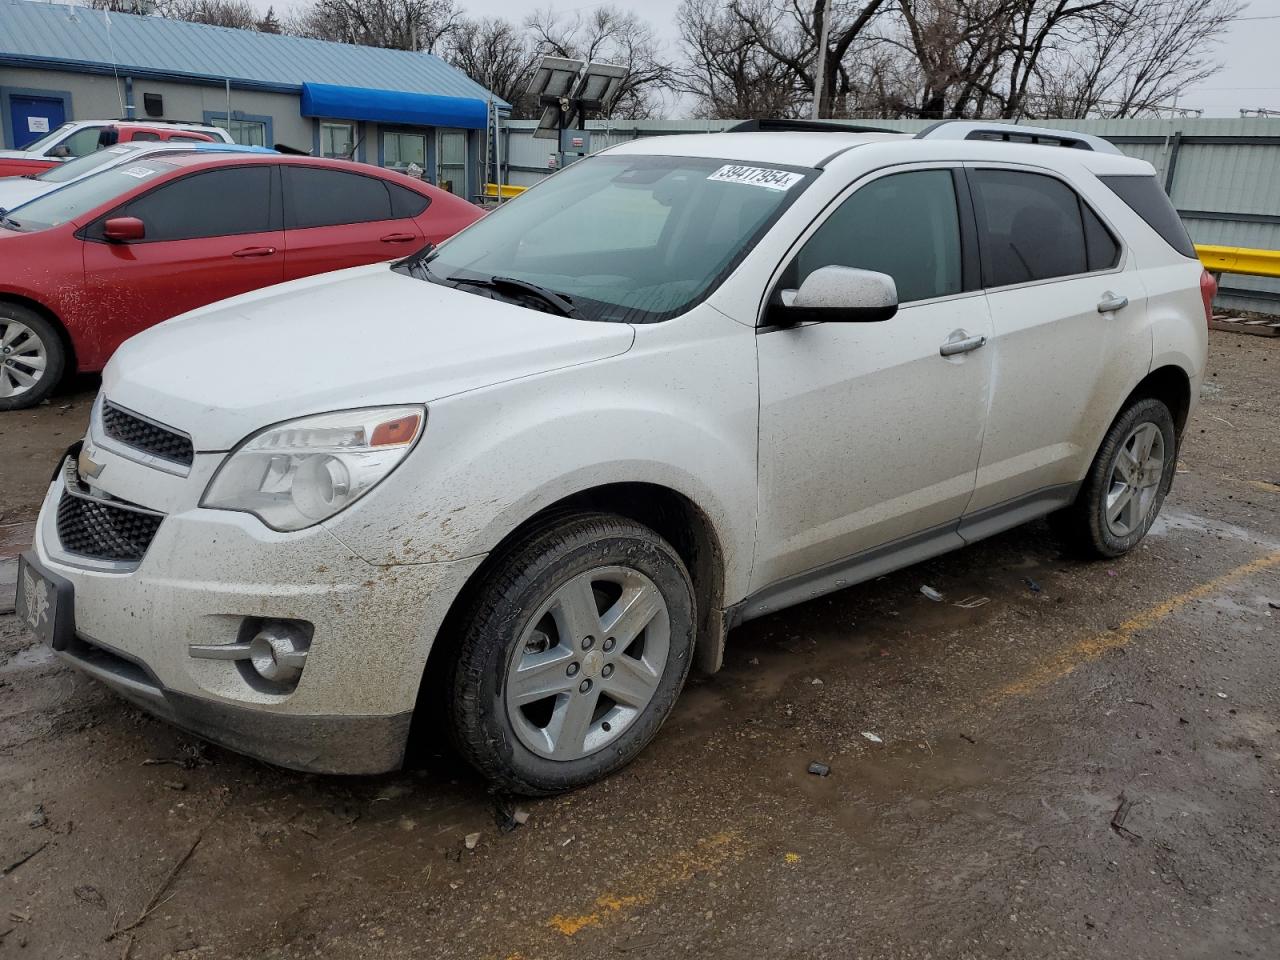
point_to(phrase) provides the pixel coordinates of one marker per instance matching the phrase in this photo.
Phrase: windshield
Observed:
(632, 239)
(74, 169)
(48, 139)
(76, 199)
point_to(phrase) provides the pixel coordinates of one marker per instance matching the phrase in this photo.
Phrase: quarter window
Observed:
(905, 225)
(1035, 227)
(217, 203)
(325, 198)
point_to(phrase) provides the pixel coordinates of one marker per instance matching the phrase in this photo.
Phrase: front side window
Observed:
(1035, 227)
(631, 239)
(337, 140)
(84, 141)
(904, 224)
(328, 198)
(216, 203)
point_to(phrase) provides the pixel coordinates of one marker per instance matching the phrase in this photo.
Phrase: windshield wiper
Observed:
(9, 220)
(550, 297)
(415, 264)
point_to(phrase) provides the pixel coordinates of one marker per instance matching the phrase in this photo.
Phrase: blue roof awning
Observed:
(393, 106)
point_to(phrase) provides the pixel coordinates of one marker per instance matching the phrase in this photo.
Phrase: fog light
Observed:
(278, 652)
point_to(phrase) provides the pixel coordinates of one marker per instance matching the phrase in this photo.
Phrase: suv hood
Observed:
(359, 337)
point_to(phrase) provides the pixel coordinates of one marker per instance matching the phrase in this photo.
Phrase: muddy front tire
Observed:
(574, 653)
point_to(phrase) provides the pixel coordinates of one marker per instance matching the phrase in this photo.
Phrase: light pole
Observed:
(820, 69)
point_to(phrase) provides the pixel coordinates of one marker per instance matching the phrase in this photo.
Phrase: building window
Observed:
(400, 151)
(251, 133)
(337, 139)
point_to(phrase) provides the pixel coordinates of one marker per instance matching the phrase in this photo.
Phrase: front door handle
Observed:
(1111, 302)
(254, 252)
(398, 238)
(960, 343)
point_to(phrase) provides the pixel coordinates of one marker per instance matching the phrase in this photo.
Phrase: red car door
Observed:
(338, 218)
(209, 235)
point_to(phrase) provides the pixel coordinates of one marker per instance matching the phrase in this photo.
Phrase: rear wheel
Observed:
(1126, 486)
(575, 652)
(32, 357)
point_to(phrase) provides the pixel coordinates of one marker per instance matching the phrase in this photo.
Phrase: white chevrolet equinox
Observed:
(524, 482)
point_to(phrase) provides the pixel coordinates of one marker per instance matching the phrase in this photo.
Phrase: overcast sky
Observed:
(1249, 77)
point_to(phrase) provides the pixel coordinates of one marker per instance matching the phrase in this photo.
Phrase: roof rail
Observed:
(769, 125)
(1015, 133)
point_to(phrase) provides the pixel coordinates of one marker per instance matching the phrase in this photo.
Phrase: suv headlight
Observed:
(300, 472)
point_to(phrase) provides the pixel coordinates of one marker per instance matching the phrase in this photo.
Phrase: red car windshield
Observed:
(76, 199)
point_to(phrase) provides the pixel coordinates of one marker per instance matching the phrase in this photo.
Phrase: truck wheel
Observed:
(32, 357)
(1126, 486)
(573, 655)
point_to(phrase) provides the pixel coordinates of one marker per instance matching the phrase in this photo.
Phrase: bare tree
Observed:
(499, 56)
(397, 24)
(614, 35)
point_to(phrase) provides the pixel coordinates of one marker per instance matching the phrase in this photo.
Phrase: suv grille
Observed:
(100, 528)
(146, 436)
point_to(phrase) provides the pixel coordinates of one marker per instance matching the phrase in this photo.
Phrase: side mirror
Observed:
(836, 294)
(124, 229)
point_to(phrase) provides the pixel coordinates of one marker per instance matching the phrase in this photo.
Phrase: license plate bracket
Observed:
(45, 603)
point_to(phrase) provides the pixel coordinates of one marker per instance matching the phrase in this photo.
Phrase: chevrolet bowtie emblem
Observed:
(86, 465)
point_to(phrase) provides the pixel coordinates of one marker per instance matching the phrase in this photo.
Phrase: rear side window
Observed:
(405, 202)
(145, 135)
(1029, 226)
(1145, 198)
(905, 225)
(326, 198)
(217, 203)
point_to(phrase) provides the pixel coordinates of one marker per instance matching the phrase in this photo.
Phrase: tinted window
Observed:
(905, 225)
(218, 203)
(1103, 252)
(1029, 225)
(186, 138)
(323, 198)
(1145, 197)
(405, 202)
(145, 135)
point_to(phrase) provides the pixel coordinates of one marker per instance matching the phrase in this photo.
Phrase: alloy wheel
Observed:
(1135, 480)
(588, 662)
(22, 358)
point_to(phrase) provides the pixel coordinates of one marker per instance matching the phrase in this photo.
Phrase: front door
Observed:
(33, 117)
(869, 436)
(451, 151)
(209, 236)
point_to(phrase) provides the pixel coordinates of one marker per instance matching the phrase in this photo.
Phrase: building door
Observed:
(33, 117)
(451, 174)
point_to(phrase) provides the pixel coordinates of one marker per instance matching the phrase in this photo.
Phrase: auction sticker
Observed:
(757, 176)
(139, 172)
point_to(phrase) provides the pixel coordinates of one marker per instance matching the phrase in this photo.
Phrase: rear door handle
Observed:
(1111, 302)
(254, 252)
(398, 238)
(961, 344)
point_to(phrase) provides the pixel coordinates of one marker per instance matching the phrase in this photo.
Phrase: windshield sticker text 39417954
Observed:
(757, 176)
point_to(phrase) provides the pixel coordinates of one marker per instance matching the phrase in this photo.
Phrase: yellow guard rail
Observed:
(1255, 263)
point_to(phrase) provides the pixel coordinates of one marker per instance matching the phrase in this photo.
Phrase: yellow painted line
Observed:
(1093, 647)
(648, 884)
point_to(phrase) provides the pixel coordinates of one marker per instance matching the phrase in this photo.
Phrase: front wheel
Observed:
(575, 651)
(1126, 486)
(32, 357)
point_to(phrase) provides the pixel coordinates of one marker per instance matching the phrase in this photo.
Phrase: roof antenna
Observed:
(106, 17)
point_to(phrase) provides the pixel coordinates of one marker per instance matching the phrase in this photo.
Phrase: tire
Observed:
(1086, 527)
(532, 695)
(26, 341)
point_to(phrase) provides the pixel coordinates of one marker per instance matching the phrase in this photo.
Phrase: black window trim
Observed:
(92, 231)
(970, 273)
(1121, 261)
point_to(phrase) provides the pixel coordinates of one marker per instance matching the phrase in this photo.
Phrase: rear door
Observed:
(1068, 311)
(336, 218)
(209, 235)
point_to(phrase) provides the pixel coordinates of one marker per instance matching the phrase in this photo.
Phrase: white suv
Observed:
(523, 482)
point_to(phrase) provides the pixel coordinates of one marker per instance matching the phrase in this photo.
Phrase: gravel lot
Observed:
(1085, 765)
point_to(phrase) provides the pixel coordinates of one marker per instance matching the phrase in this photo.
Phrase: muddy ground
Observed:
(1085, 765)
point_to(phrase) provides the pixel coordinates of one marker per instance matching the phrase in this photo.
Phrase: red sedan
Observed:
(87, 266)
